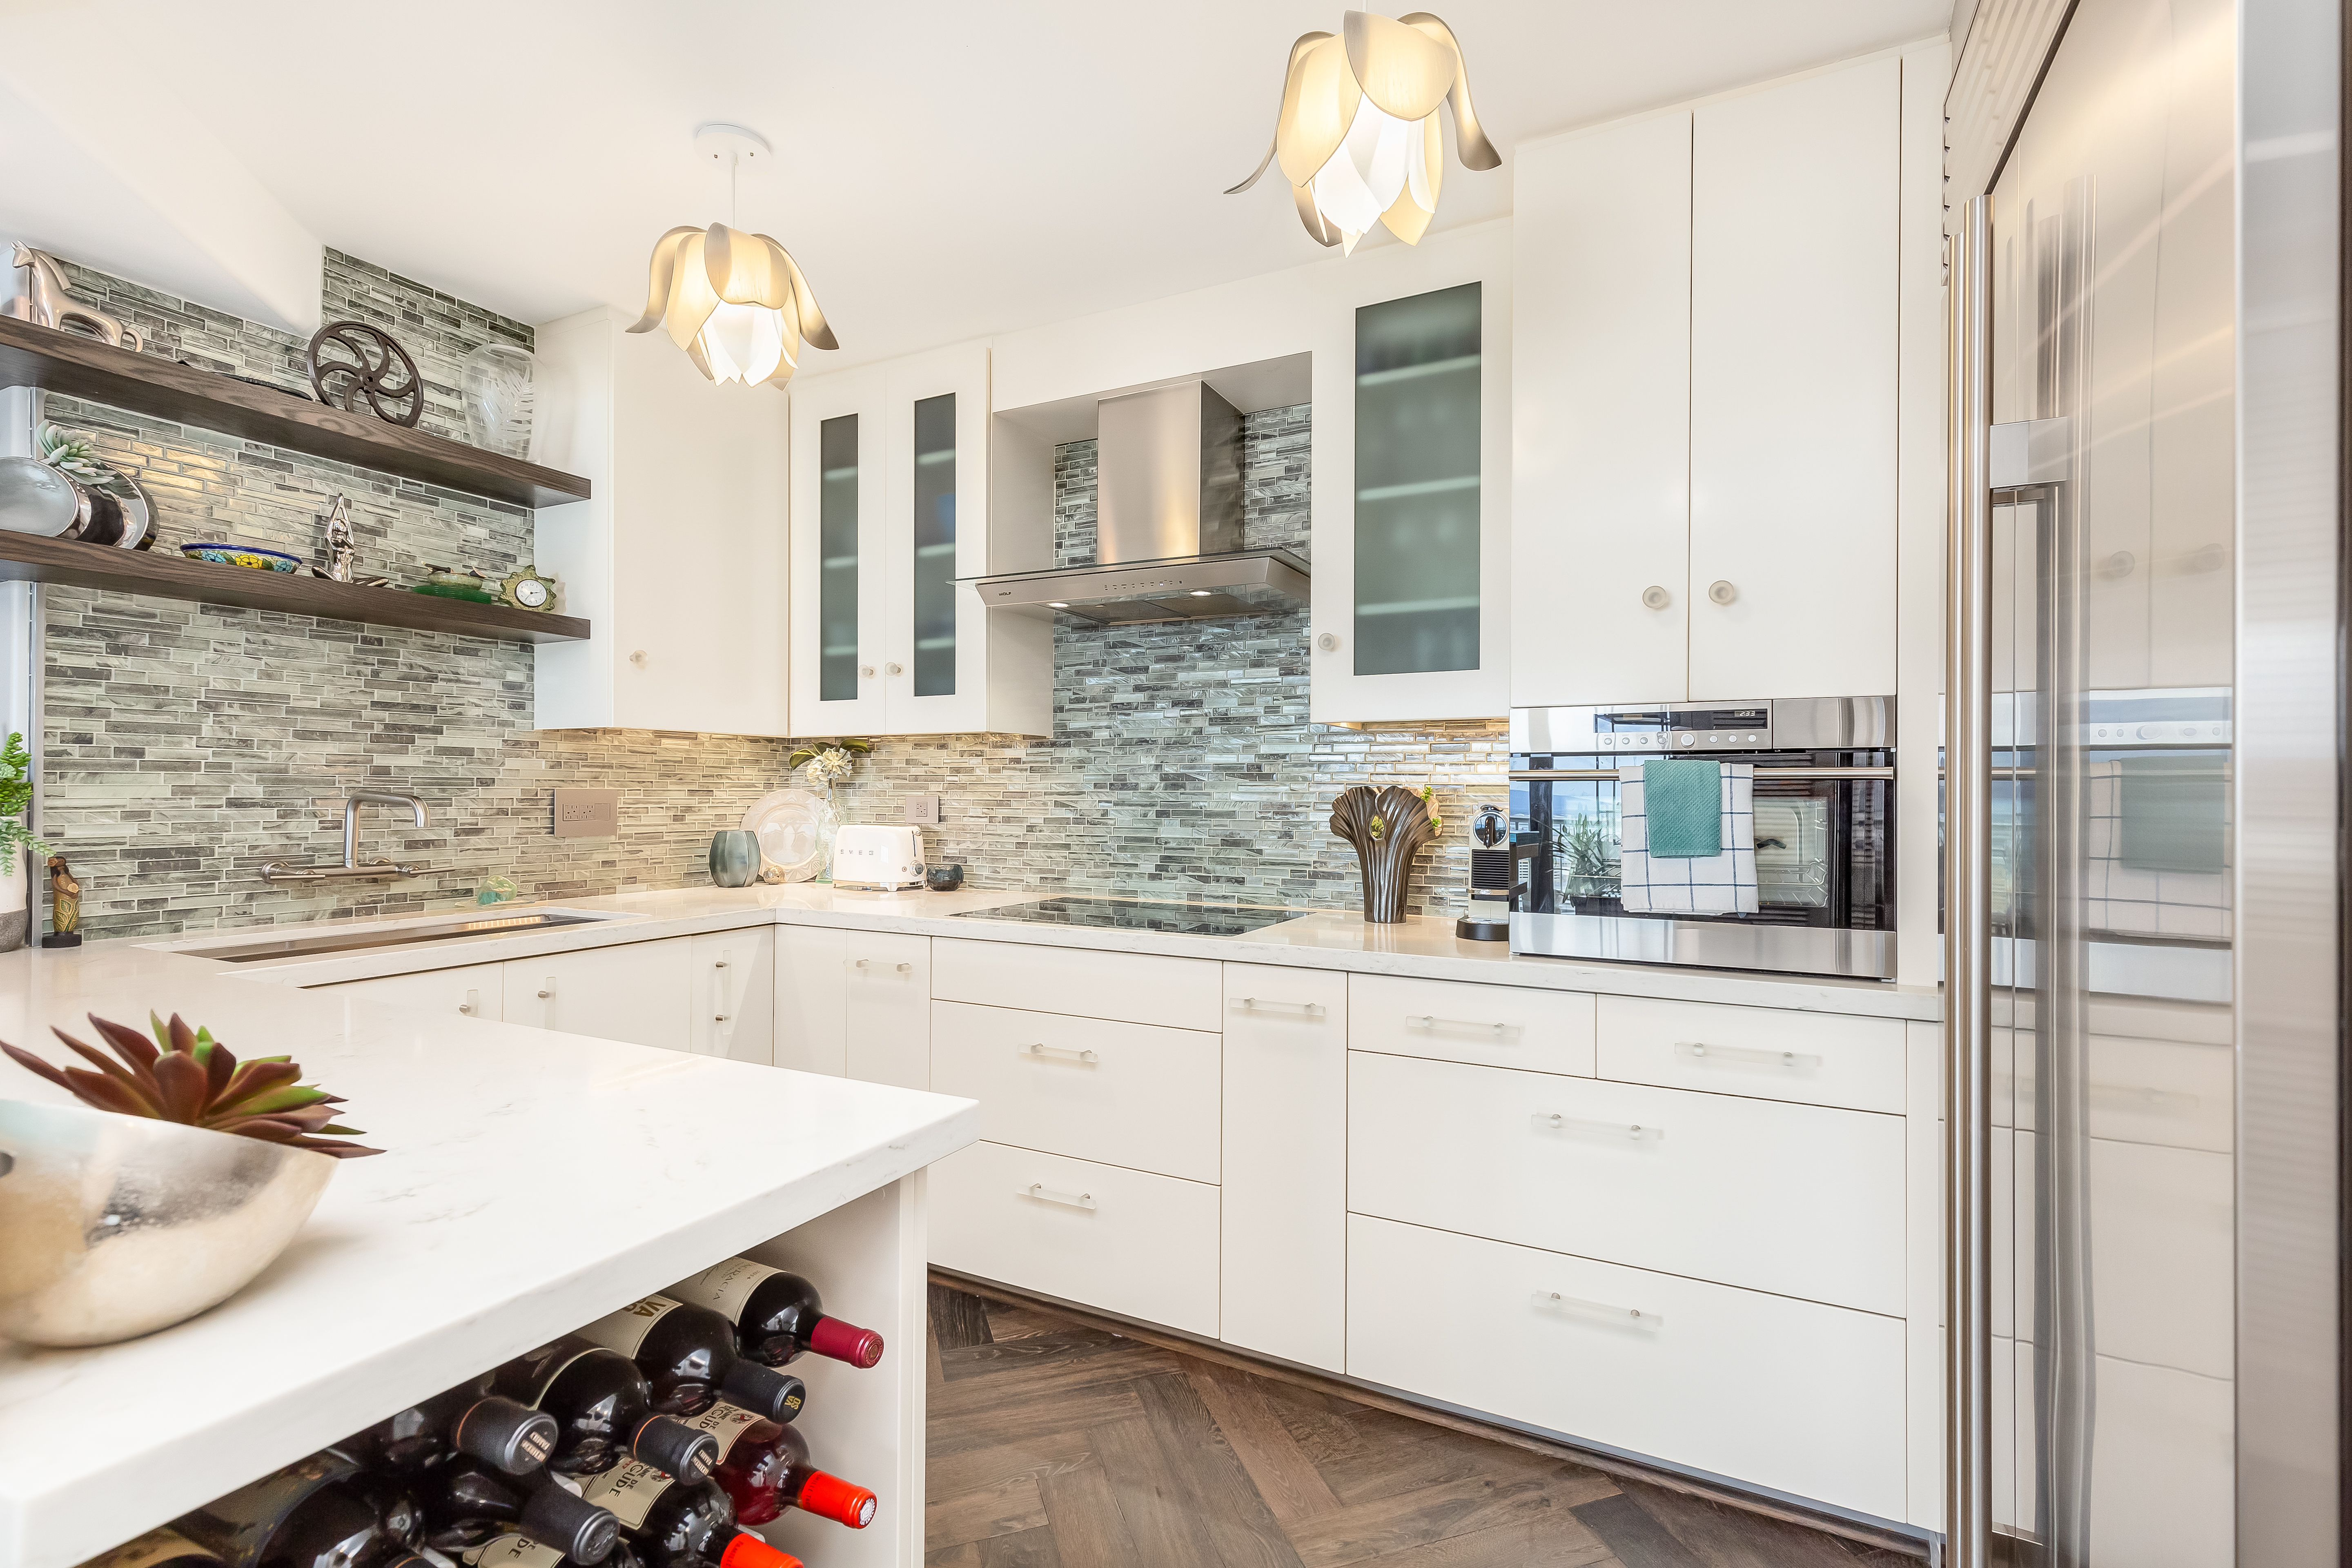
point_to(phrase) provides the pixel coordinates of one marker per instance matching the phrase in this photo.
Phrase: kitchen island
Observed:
(532, 1182)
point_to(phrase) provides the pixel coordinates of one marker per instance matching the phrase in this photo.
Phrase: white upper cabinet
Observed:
(1704, 442)
(1600, 395)
(889, 505)
(678, 558)
(1796, 231)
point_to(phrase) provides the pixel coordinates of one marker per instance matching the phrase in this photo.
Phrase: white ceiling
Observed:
(946, 170)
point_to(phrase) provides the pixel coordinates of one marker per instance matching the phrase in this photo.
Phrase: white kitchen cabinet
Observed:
(1135, 988)
(854, 1004)
(1460, 1021)
(475, 991)
(677, 558)
(889, 507)
(734, 995)
(1601, 396)
(641, 992)
(1284, 1280)
(1770, 1053)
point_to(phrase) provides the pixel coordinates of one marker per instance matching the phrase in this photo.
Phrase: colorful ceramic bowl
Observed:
(242, 556)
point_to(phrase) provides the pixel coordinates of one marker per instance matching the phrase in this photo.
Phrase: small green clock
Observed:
(528, 590)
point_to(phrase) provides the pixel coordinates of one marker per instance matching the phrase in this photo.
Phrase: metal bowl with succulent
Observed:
(181, 1175)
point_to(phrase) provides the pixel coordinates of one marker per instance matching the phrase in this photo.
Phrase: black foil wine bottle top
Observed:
(602, 1411)
(469, 1503)
(307, 1515)
(763, 1390)
(688, 1355)
(467, 1419)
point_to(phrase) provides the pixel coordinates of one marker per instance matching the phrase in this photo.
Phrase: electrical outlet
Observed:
(923, 808)
(587, 812)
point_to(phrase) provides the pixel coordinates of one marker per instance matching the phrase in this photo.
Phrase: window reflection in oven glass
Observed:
(1586, 843)
(1793, 850)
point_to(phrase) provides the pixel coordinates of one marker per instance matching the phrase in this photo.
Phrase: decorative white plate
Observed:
(795, 826)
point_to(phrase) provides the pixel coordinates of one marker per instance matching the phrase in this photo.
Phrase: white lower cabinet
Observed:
(854, 1004)
(640, 992)
(734, 1009)
(476, 991)
(1792, 1395)
(1457, 1021)
(1102, 1235)
(1132, 987)
(1819, 1059)
(1791, 1198)
(1127, 1094)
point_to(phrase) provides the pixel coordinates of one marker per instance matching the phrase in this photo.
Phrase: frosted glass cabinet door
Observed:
(934, 452)
(839, 568)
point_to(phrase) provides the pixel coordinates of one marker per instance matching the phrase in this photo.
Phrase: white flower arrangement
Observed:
(826, 763)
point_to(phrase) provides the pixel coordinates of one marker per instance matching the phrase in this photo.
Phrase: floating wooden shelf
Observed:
(77, 366)
(25, 558)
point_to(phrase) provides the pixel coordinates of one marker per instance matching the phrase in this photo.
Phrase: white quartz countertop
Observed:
(532, 1182)
(1327, 938)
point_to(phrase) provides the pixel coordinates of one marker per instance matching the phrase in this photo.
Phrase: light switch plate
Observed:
(923, 808)
(587, 812)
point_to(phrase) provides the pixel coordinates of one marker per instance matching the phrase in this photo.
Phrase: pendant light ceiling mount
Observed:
(1358, 136)
(736, 302)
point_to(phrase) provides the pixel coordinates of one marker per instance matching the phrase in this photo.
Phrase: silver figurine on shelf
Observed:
(342, 558)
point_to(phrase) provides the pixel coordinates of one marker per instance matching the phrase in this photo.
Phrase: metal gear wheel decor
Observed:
(378, 371)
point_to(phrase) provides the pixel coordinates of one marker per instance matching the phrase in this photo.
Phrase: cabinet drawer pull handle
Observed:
(1306, 1009)
(1699, 1051)
(1553, 1301)
(1425, 1021)
(1555, 1122)
(719, 964)
(719, 1018)
(1041, 1049)
(905, 969)
(1040, 1191)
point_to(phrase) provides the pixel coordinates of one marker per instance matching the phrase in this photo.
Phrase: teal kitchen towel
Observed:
(1683, 797)
(2175, 811)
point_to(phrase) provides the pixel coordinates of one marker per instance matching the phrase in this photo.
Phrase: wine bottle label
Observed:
(156, 1546)
(512, 1551)
(725, 1423)
(627, 1490)
(725, 1289)
(625, 1329)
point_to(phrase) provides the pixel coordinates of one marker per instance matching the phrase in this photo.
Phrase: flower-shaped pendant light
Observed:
(735, 302)
(1357, 137)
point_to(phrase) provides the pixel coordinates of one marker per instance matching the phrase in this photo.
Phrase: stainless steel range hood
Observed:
(1167, 528)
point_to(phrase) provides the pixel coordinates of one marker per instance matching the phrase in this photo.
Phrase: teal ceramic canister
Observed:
(734, 858)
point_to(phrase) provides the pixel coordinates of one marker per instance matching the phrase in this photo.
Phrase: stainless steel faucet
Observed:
(278, 871)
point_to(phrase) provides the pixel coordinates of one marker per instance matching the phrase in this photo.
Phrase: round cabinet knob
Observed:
(639, 658)
(896, 669)
(465, 1006)
(866, 671)
(1655, 598)
(1329, 642)
(1721, 592)
(545, 994)
(721, 964)
(719, 1018)
(2211, 558)
(2119, 564)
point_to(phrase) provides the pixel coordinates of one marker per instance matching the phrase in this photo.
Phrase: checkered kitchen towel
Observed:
(1723, 884)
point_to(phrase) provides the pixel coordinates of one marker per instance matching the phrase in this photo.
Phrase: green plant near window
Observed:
(15, 795)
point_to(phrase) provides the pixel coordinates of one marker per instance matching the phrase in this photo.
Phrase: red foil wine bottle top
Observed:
(845, 1342)
(747, 1551)
(830, 1497)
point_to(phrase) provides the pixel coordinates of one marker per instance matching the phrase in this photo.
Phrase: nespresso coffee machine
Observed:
(1499, 858)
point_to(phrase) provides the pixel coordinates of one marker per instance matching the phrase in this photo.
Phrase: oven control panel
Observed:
(1660, 742)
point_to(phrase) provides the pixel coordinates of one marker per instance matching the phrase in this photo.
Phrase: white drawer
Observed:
(1770, 1053)
(1456, 1021)
(1126, 1093)
(1138, 1244)
(1793, 1198)
(1135, 988)
(1789, 1395)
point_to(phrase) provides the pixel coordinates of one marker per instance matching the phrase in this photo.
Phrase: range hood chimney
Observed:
(1167, 522)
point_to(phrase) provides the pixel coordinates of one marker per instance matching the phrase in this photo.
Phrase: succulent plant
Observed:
(72, 452)
(186, 1076)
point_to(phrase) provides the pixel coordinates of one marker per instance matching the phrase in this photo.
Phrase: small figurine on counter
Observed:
(65, 906)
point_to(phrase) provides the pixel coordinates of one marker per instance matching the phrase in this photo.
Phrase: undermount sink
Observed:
(349, 941)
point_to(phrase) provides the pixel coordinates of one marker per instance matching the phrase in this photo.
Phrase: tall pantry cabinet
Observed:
(1704, 394)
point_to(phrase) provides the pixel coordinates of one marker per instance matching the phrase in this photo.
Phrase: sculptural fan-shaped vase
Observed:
(1389, 827)
(497, 383)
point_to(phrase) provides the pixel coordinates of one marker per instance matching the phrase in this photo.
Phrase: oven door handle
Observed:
(1611, 774)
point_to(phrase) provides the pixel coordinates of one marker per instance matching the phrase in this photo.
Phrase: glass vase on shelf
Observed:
(496, 378)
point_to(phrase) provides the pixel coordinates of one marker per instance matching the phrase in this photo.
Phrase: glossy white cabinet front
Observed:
(641, 992)
(475, 991)
(854, 1004)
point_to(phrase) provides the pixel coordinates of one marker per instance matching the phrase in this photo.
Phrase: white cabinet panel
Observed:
(476, 991)
(1792, 1396)
(735, 994)
(1100, 1234)
(1600, 397)
(854, 1004)
(1126, 1094)
(1454, 1021)
(1284, 1243)
(1770, 1053)
(1796, 1199)
(641, 992)
(1134, 987)
(809, 1001)
(839, 575)
(1795, 237)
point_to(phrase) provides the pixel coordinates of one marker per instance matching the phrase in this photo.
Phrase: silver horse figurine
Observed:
(48, 305)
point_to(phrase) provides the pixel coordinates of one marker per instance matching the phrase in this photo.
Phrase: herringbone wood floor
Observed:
(1058, 1446)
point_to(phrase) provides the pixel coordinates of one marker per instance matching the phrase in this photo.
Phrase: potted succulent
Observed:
(16, 842)
(181, 1175)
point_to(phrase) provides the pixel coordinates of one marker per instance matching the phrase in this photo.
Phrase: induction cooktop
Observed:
(1125, 914)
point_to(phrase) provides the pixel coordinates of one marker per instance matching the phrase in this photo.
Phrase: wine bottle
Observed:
(777, 1316)
(766, 1471)
(468, 1504)
(512, 1550)
(694, 1526)
(162, 1547)
(629, 1490)
(688, 1355)
(307, 1515)
(603, 1410)
(467, 1419)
